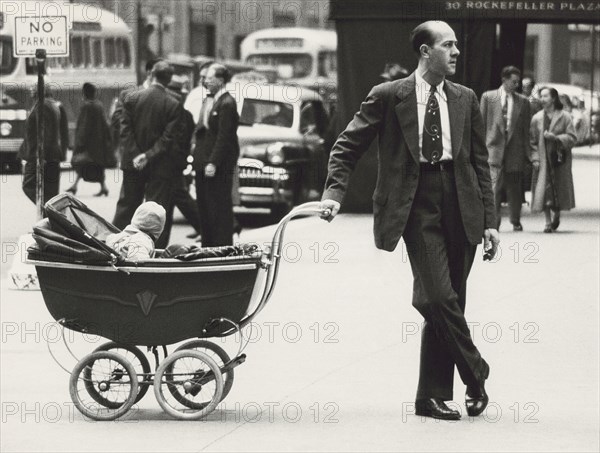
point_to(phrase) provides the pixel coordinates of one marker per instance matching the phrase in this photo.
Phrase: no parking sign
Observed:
(41, 32)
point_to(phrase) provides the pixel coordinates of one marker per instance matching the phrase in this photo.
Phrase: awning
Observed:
(530, 11)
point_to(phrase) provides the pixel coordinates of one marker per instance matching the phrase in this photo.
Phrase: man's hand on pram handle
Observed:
(329, 209)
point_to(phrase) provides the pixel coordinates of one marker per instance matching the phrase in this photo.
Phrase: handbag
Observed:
(81, 159)
(90, 171)
(557, 154)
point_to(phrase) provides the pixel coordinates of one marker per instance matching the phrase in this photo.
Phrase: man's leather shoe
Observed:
(435, 408)
(476, 399)
(517, 227)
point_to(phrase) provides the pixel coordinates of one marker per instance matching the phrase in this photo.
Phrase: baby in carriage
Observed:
(136, 241)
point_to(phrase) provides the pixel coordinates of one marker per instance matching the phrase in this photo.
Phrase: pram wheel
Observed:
(137, 359)
(218, 354)
(196, 380)
(109, 380)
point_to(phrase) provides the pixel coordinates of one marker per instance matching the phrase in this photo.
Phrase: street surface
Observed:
(333, 359)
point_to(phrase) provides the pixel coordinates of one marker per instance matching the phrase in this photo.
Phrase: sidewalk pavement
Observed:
(333, 362)
(587, 152)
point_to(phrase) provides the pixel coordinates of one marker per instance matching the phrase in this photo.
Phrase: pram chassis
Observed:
(110, 378)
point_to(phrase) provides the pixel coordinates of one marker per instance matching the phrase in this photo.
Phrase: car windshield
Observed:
(289, 65)
(7, 61)
(255, 111)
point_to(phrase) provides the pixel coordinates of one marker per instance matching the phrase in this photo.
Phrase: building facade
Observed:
(209, 27)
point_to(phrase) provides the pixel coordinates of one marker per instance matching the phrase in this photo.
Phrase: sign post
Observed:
(41, 37)
(40, 57)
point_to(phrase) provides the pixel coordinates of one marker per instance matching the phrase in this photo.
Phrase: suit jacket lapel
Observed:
(456, 112)
(407, 115)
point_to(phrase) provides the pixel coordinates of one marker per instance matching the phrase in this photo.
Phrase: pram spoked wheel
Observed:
(103, 385)
(139, 361)
(196, 380)
(218, 354)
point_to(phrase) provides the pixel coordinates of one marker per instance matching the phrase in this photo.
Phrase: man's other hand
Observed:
(329, 205)
(140, 161)
(210, 170)
(491, 239)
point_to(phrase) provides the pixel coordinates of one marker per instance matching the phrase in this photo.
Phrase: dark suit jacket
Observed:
(390, 112)
(510, 150)
(115, 119)
(218, 144)
(149, 124)
(56, 133)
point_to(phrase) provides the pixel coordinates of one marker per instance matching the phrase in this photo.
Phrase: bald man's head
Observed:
(427, 33)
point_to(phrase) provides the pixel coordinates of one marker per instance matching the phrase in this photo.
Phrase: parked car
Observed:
(283, 160)
(283, 157)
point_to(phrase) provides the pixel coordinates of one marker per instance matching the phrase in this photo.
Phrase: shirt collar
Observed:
(425, 87)
(220, 93)
(504, 93)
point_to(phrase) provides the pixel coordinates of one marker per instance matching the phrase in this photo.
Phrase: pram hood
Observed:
(72, 233)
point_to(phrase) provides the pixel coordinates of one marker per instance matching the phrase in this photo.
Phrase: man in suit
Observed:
(434, 190)
(151, 159)
(506, 119)
(117, 107)
(181, 193)
(56, 141)
(215, 158)
(527, 86)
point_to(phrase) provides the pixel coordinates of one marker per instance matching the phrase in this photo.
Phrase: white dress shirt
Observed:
(422, 89)
(210, 103)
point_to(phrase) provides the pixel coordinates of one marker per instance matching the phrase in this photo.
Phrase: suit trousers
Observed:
(51, 180)
(138, 186)
(512, 183)
(216, 207)
(183, 201)
(441, 258)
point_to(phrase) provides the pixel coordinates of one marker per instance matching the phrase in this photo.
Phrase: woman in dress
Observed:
(93, 151)
(552, 137)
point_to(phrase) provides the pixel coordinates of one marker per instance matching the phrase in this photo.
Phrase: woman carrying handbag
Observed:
(93, 151)
(552, 138)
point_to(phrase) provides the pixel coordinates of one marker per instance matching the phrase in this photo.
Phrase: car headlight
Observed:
(275, 153)
(5, 129)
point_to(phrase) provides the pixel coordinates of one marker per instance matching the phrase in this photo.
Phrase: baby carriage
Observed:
(89, 288)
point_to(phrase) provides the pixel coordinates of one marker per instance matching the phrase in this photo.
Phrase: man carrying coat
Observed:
(506, 118)
(56, 141)
(434, 190)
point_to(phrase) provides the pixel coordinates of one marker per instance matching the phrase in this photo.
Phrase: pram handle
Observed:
(274, 254)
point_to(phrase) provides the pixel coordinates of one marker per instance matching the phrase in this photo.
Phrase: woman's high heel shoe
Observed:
(555, 222)
(102, 192)
(548, 228)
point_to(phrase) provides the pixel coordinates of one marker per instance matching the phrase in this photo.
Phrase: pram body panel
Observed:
(148, 305)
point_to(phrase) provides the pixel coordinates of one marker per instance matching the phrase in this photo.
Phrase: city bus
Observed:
(305, 57)
(101, 52)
